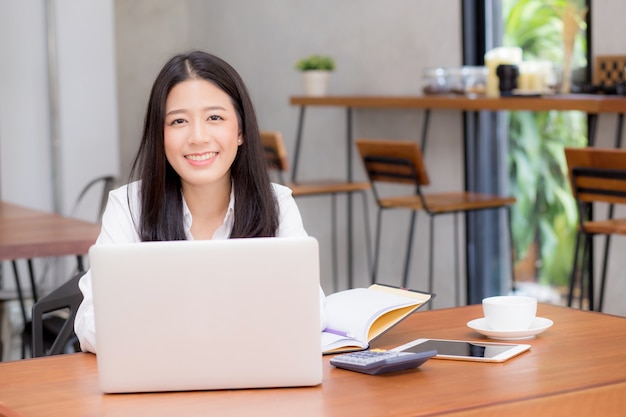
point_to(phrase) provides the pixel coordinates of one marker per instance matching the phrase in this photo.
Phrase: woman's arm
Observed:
(117, 227)
(290, 221)
(291, 226)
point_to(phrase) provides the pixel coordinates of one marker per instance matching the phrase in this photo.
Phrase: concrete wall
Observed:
(55, 137)
(23, 100)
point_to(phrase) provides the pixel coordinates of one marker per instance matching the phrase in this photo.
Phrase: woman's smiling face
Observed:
(201, 133)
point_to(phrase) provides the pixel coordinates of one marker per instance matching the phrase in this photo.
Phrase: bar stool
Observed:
(276, 157)
(400, 162)
(596, 176)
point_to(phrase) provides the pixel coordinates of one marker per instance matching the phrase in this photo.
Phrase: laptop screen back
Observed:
(217, 314)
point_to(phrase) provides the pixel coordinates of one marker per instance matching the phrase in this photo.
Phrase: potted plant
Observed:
(316, 71)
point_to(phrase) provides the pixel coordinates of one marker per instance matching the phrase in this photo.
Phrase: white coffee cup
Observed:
(509, 312)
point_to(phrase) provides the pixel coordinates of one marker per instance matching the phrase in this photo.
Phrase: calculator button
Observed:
(378, 362)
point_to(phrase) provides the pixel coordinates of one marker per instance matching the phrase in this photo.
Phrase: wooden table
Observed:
(575, 368)
(582, 102)
(26, 233)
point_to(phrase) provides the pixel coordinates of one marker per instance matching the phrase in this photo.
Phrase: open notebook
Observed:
(198, 315)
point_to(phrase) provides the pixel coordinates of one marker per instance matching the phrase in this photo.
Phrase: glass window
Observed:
(521, 153)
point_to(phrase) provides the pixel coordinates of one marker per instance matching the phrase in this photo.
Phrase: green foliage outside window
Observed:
(544, 217)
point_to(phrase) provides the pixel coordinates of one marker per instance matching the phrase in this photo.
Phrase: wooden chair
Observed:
(400, 162)
(596, 176)
(276, 156)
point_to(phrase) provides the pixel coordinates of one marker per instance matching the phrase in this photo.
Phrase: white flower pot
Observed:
(316, 82)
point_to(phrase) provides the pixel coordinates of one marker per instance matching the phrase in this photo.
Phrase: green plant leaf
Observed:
(316, 62)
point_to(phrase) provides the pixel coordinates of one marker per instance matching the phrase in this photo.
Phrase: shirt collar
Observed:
(222, 232)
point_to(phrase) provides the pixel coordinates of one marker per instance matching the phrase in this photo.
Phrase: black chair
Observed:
(52, 327)
(107, 183)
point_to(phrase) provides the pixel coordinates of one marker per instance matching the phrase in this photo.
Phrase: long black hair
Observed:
(161, 217)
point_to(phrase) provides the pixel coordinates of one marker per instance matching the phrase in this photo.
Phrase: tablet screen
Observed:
(460, 348)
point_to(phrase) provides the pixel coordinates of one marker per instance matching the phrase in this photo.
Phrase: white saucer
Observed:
(538, 325)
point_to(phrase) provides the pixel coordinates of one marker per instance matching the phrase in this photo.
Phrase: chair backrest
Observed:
(107, 182)
(67, 298)
(597, 175)
(394, 161)
(275, 151)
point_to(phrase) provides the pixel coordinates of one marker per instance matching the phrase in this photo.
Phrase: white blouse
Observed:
(118, 227)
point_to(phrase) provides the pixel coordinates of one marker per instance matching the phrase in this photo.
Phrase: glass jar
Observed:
(475, 80)
(434, 81)
(455, 82)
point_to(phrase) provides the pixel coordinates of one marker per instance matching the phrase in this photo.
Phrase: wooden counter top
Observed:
(581, 102)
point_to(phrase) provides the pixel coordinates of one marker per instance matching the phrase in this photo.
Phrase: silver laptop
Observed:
(202, 315)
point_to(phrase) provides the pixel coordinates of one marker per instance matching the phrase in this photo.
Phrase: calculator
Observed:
(375, 362)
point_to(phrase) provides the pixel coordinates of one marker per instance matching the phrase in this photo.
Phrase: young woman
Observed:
(199, 173)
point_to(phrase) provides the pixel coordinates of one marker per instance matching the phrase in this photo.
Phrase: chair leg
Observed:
(368, 232)
(22, 301)
(31, 276)
(512, 249)
(586, 273)
(605, 262)
(590, 281)
(409, 246)
(20, 293)
(574, 275)
(457, 273)
(607, 243)
(377, 244)
(431, 258)
(334, 245)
